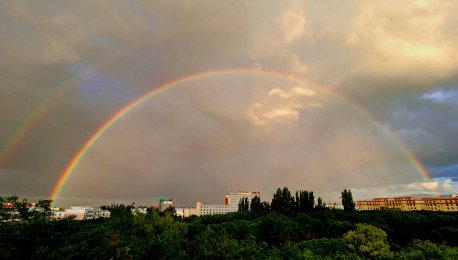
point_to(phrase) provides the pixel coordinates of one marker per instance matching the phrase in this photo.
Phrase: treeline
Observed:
(276, 231)
(16, 209)
(284, 202)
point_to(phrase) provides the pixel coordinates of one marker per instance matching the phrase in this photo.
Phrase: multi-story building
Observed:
(185, 212)
(80, 213)
(166, 203)
(440, 204)
(231, 203)
(410, 203)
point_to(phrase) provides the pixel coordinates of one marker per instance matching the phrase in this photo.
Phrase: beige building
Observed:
(410, 203)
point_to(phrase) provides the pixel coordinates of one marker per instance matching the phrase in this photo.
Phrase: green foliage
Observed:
(219, 245)
(255, 205)
(427, 250)
(277, 229)
(368, 241)
(21, 207)
(347, 201)
(320, 204)
(324, 247)
(283, 202)
(258, 233)
(170, 211)
(265, 207)
(42, 210)
(336, 228)
(305, 201)
(244, 205)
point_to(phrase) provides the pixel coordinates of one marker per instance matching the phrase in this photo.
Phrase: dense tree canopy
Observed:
(347, 201)
(258, 233)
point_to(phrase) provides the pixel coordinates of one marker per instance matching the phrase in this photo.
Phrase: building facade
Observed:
(410, 203)
(185, 212)
(166, 203)
(231, 204)
(81, 213)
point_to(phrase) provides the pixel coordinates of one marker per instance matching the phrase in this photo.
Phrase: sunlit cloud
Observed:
(438, 186)
(296, 92)
(292, 24)
(403, 38)
(432, 185)
(281, 106)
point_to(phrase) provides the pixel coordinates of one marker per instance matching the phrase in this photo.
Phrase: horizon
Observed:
(155, 203)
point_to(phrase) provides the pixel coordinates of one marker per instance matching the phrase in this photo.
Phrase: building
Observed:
(231, 204)
(185, 212)
(80, 213)
(333, 205)
(12, 214)
(410, 203)
(166, 203)
(440, 204)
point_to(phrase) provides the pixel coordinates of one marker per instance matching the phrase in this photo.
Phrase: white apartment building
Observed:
(185, 212)
(80, 213)
(231, 203)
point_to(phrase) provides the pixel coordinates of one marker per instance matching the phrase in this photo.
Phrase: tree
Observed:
(347, 201)
(276, 204)
(43, 209)
(310, 202)
(368, 241)
(120, 211)
(170, 211)
(277, 229)
(244, 205)
(255, 204)
(21, 206)
(8, 210)
(321, 204)
(428, 250)
(265, 207)
(282, 201)
(305, 201)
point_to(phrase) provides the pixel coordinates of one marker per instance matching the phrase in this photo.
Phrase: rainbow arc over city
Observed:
(126, 109)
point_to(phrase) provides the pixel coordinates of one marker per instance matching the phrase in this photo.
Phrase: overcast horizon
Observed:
(312, 95)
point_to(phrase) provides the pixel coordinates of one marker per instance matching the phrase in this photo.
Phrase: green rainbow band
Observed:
(68, 170)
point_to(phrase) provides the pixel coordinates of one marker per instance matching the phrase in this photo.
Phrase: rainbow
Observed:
(24, 128)
(18, 136)
(16, 139)
(68, 170)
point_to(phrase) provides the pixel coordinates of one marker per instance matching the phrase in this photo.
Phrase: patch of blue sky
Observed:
(98, 87)
(449, 95)
(450, 171)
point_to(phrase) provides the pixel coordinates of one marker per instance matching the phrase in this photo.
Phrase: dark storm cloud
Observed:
(427, 123)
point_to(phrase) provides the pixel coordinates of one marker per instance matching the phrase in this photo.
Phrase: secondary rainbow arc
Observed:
(73, 163)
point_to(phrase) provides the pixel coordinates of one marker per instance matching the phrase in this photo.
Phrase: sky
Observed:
(243, 95)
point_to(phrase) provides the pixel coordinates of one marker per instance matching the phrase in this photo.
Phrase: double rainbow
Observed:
(68, 170)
